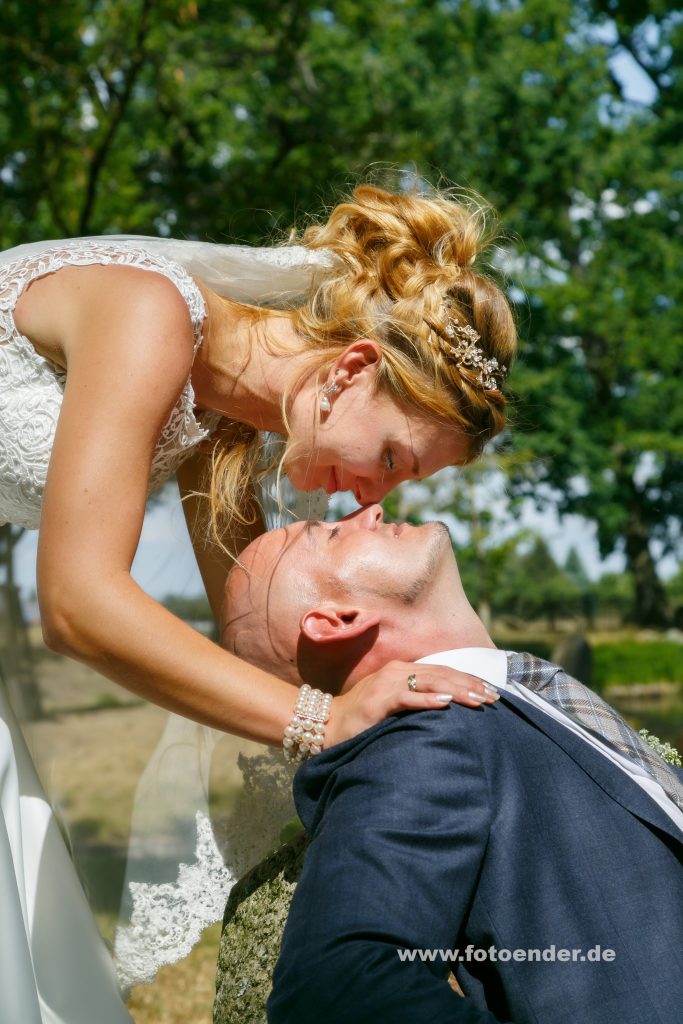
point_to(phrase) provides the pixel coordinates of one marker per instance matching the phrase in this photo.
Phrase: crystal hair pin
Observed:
(467, 352)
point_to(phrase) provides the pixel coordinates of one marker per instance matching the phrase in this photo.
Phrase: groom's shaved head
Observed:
(266, 594)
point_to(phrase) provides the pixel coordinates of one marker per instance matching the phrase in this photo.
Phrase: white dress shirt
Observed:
(491, 665)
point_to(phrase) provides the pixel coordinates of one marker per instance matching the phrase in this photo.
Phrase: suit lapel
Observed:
(604, 772)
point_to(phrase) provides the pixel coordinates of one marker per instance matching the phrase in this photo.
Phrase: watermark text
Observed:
(495, 954)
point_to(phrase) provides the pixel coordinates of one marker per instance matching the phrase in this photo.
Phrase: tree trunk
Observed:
(650, 597)
(484, 613)
(17, 669)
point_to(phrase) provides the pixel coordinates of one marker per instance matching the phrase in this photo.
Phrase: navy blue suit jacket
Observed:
(489, 827)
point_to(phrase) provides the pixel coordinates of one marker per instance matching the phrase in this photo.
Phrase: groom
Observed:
(535, 858)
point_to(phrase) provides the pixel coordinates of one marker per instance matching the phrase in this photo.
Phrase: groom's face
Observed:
(362, 554)
(360, 561)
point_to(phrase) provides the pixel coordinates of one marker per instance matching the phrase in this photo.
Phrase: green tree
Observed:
(603, 407)
(525, 104)
(170, 116)
(535, 587)
(614, 594)
(227, 121)
(192, 609)
(575, 572)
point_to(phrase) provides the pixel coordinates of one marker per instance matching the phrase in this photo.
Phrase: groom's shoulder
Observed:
(412, 743)
(411, 758)
(423, 727)
(452, 726)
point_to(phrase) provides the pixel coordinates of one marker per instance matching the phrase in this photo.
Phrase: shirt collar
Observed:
(487, 663)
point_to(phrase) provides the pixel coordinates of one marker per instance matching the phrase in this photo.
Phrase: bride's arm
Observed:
(128, 351)
(214, 563)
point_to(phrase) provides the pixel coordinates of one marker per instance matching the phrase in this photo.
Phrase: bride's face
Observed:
(366, 443)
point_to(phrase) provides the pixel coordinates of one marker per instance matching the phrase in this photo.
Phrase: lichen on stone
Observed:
(254, 921)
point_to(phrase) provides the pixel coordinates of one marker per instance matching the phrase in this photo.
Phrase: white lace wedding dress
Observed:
(54, 968)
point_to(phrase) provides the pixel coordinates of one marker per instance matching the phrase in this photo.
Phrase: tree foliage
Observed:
(229, 121)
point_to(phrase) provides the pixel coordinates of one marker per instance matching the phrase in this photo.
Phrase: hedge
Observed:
(616, 662)
(630, 661)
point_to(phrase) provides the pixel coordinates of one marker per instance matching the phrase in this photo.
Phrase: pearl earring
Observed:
(329, 389)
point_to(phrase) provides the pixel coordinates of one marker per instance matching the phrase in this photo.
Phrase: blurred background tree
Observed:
(230, 122)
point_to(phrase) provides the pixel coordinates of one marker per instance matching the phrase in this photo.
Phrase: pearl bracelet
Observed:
(305, 733)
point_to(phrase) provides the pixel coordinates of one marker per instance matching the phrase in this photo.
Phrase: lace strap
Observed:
(17, 274)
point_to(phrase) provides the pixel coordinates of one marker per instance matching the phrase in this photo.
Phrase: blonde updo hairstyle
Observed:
(400, 256)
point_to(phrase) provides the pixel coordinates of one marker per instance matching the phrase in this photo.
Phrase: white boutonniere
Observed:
(665, 750)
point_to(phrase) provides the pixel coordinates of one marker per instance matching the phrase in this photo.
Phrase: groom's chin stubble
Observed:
(437, 546)
(439, 549)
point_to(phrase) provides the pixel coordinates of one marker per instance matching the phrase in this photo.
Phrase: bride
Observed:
(377, 351)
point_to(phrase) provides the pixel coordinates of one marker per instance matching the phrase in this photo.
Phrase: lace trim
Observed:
(30, 406)
(167, 918)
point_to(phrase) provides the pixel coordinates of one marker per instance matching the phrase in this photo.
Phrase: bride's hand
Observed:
(386, 692)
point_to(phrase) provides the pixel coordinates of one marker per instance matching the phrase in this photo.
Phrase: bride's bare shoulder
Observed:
(84, 304)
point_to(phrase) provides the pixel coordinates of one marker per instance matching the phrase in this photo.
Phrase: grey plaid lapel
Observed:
(562, 691)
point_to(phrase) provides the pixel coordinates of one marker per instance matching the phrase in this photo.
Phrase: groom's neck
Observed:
(449, 622)
(409, 638)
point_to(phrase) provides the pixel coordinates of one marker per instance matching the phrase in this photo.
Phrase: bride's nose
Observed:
(369, 492)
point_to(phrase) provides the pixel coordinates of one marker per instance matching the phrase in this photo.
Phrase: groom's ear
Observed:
(334, 624)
